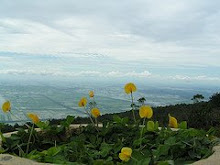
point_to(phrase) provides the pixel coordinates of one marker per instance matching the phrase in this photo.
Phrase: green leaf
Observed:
(125, 120)
(120, 120)
(140, 158)
(105, 149)
(102, 162)
(2, 136)
(150, 126)
(66, 123)
(43, 125)
(170, 141)
(137, 142)
(182, 125)
(116, 119)
(166, 162)
(92, 139)
(15, 137)
(145, 161)
(212, 131)
(162, 150)
(156, 125)
(53, 151)
(70, 119)
(194, 155)
(1, 150)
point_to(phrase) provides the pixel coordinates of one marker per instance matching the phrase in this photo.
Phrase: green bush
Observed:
(86, 145)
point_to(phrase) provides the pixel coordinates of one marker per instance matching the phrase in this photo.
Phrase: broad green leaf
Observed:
(150, 126)
(162, 150)
(156, 125)
(145, 161)
(183, 125)
(170, 141)
(116, 119)
(105, 149)
(43, 125)
(15, 137)
(53, 151)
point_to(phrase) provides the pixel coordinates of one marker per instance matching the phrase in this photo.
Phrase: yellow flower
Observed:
(125, 154)
(35, 119)
(6, 106)
(145, 112)
(130, 88)
(172, 122)
(95, 112)
(82, 102)
(91, 94)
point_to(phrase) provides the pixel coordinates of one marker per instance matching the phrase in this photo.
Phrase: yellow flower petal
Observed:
(6, 106)
(124, 157)
(95, 112)
(130, 88)
(173, 122)
(91, 94)
(127, 151)
(35, 119)
(125, 154)
(145, 112)
(82, 102)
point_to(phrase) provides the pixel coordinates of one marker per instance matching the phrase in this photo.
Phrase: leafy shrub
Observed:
(86, 145)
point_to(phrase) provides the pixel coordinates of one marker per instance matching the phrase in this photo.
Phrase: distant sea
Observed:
(55, 101)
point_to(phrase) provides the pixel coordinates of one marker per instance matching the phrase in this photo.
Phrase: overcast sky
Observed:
(177, 40)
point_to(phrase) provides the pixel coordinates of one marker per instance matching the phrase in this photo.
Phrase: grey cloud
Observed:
(163, 33)
(160, 21)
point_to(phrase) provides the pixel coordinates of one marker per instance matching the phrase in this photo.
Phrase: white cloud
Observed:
(143, 74)
(52, 72)
(168, 32)
(194, 78)
(110, 74)
(156, 34)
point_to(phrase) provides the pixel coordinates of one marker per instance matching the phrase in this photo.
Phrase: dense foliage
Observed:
(215, 100)
(87, 145)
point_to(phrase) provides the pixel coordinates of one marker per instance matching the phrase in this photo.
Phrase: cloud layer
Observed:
(153, 37)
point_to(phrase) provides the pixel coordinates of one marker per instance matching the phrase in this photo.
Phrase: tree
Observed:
(215, 100)
(141, 100)
(197, 98)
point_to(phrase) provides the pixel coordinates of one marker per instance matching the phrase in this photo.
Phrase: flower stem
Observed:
(96, 120)
(90, 118)
(21, 152)
(132, 105)
(29, 139)
(142, 129)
